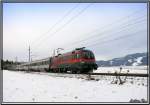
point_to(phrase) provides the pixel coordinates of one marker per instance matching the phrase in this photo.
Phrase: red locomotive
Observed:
(79, 60)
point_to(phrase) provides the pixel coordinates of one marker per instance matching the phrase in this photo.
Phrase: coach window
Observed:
(78, 56)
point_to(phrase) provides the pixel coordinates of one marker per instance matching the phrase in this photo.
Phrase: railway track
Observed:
(61, 74)
(120, 74)
(93, 76)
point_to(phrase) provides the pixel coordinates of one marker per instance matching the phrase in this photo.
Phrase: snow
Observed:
(130, 60)
(138, 61)
(34, 87)
(111, 62)
(125, 69)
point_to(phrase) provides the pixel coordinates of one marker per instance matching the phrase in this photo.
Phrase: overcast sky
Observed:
(110, 30)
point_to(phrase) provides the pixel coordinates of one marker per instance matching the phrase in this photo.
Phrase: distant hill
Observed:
(136, 59)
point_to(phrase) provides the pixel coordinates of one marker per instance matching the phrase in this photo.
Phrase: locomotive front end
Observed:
(87, 61)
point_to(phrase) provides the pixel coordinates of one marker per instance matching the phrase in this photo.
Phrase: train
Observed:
(79, 60)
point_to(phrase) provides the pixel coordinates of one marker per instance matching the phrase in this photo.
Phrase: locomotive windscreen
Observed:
(88, 55)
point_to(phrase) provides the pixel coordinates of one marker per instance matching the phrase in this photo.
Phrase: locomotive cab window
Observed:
(88, 55)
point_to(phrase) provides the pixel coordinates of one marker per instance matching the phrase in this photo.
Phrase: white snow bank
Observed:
(125, 69)
(26, 87)
(138, 61)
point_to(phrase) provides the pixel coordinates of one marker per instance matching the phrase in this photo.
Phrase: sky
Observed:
(110, 30)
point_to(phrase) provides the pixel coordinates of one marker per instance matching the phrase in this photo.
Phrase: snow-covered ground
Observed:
(30, 87)
(125, 69)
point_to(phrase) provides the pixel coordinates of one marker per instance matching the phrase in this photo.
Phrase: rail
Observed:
(110, 74)
(120, 74)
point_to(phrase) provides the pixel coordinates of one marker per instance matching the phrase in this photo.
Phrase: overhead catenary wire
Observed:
(111, 24)
(65, 24)
(115, 39)
(57, 22)
(126, 26)
(98, 41)
(92, 36)
(105, 33)
(101, 43)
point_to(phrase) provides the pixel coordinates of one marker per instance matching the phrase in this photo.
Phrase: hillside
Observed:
(137, 59)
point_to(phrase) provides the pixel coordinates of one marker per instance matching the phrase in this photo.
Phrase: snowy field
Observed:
(30, 87)
(125, 69)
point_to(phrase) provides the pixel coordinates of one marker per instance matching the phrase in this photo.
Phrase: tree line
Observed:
(8, 64)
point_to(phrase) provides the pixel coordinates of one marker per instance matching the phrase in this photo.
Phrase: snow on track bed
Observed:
(83, 76)
(32, 87)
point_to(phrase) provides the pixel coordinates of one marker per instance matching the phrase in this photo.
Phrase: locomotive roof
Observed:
(82, 50)
(76, 51)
